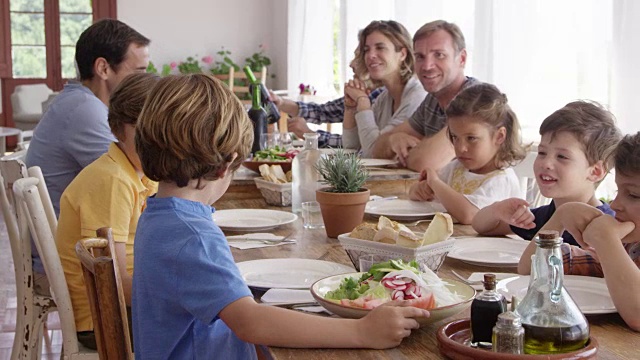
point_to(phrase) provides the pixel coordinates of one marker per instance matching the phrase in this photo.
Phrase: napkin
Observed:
(479, 276)
(289, 296)
(254, 240)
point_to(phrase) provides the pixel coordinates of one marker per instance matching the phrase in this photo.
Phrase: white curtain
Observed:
(310, 45)
(626, 57)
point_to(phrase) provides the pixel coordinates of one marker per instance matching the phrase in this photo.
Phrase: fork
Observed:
(268, 241)
(465, 280)
(415, 223)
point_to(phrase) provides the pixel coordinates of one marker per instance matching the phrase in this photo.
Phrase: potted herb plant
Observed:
(342, 203)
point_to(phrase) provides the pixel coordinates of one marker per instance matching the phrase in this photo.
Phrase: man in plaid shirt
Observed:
(329, 112)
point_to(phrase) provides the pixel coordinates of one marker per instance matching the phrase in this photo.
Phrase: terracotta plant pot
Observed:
(341, 212)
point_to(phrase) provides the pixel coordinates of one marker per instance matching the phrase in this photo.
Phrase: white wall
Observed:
(201, 27)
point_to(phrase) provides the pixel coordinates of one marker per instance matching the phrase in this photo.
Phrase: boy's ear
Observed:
(597, 172)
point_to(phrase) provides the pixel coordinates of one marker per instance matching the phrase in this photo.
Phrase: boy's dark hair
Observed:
(189, 128)
(591, 124)
(108, 39)
(627, 155)
(127, 100)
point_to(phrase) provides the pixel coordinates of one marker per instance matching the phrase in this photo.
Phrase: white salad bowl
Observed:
(321, 287)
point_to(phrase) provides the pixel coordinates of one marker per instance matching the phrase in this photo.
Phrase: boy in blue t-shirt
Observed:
(189, 300)
(574, 156)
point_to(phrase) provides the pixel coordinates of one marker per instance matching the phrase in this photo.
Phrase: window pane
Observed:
(29, 61)
(71, 26)
(75, 6)
(27, 29)
(26, 5)
(68, 62)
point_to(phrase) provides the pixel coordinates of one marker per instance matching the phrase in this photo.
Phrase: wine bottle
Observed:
(273, 113)
(259, 120)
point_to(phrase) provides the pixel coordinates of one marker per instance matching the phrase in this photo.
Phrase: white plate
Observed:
(252, 219)
(590, 293)
(290, 273)
(331, 151)
(488, 251)
(397, 209)
(378, 162)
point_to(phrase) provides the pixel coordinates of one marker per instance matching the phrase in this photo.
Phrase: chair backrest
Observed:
(29, 196)
(104, 287)
(239, 77)
(528, 185)
(27, 99)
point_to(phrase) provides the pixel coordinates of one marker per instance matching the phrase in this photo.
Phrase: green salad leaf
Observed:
(349, 288)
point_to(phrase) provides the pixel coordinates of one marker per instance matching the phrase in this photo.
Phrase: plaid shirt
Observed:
(329, 112)
(577, 261)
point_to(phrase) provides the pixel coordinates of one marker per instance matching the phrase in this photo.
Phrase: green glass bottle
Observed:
(259, 119)
(273, 113)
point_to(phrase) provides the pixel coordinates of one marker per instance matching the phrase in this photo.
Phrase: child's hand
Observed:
(574, 218)
(431, 176)
(515, 211)
(386, 325)
(421, 191)
(605, 227)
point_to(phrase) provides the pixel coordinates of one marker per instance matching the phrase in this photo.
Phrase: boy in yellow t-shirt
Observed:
(112, 192)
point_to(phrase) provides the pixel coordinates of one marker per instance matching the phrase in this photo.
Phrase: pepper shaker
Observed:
(508, 334)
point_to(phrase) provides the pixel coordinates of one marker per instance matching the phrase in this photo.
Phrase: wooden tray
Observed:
(453, 339)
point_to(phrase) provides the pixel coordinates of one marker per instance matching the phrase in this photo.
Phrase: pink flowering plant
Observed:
(307, 89)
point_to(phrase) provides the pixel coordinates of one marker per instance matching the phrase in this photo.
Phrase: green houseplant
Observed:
(342, 203)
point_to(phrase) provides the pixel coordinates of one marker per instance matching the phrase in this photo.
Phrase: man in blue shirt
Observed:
(74, 130)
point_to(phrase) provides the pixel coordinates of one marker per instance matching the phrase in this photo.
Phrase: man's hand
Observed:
(401, 143)
(275, 98)
(298, 126)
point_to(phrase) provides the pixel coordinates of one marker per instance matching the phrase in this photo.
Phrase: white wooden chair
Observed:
(33, 308)
(26, 102)
(30, 199)
(528, 185)
(242, 91)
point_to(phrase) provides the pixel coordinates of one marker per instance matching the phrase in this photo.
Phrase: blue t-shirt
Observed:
(543, 214)
(184, 276)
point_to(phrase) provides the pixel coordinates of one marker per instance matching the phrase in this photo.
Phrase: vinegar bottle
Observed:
(485, 309)
(552, 321)
(305, 175)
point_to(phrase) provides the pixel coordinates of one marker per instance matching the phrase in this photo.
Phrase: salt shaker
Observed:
(508, 334)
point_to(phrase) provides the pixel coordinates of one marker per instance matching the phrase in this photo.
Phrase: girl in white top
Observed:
(387, 53)
(486, 137)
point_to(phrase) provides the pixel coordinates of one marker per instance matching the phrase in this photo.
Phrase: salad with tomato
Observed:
(393, 280)
(275, 154)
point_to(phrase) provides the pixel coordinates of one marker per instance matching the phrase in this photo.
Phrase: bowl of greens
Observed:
(353, 295)
(276, 155)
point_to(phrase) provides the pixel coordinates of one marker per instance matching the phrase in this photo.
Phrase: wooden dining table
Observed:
(616, 340)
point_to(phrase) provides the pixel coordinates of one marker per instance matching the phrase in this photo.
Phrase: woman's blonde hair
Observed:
(190, 128)
(399, 37)
(486, 102)
(127, 100)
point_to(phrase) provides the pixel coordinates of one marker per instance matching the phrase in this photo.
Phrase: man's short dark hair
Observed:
(108, 39)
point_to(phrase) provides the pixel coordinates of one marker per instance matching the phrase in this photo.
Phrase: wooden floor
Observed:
(52, 342)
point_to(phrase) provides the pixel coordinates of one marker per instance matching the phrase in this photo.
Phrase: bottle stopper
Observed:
(489, 281)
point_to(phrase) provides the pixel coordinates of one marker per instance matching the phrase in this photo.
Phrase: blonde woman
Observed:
(387, 53)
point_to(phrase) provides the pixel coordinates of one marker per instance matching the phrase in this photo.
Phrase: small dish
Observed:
(320, 288)
(454, 339)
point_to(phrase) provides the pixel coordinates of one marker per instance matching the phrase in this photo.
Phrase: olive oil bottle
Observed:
(550, 340)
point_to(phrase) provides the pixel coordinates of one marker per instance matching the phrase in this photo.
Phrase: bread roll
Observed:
(440, 229)
(364, 231)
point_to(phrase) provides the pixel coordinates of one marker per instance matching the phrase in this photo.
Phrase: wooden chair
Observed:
(33, 307)
(242, 92)
(104, 287)
(30, 196)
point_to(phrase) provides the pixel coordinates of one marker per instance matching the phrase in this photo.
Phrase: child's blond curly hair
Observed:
(190, 128)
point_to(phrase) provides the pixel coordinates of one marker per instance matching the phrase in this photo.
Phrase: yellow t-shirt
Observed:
(108, 192)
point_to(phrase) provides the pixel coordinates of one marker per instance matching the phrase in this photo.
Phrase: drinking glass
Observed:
(311, 215)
